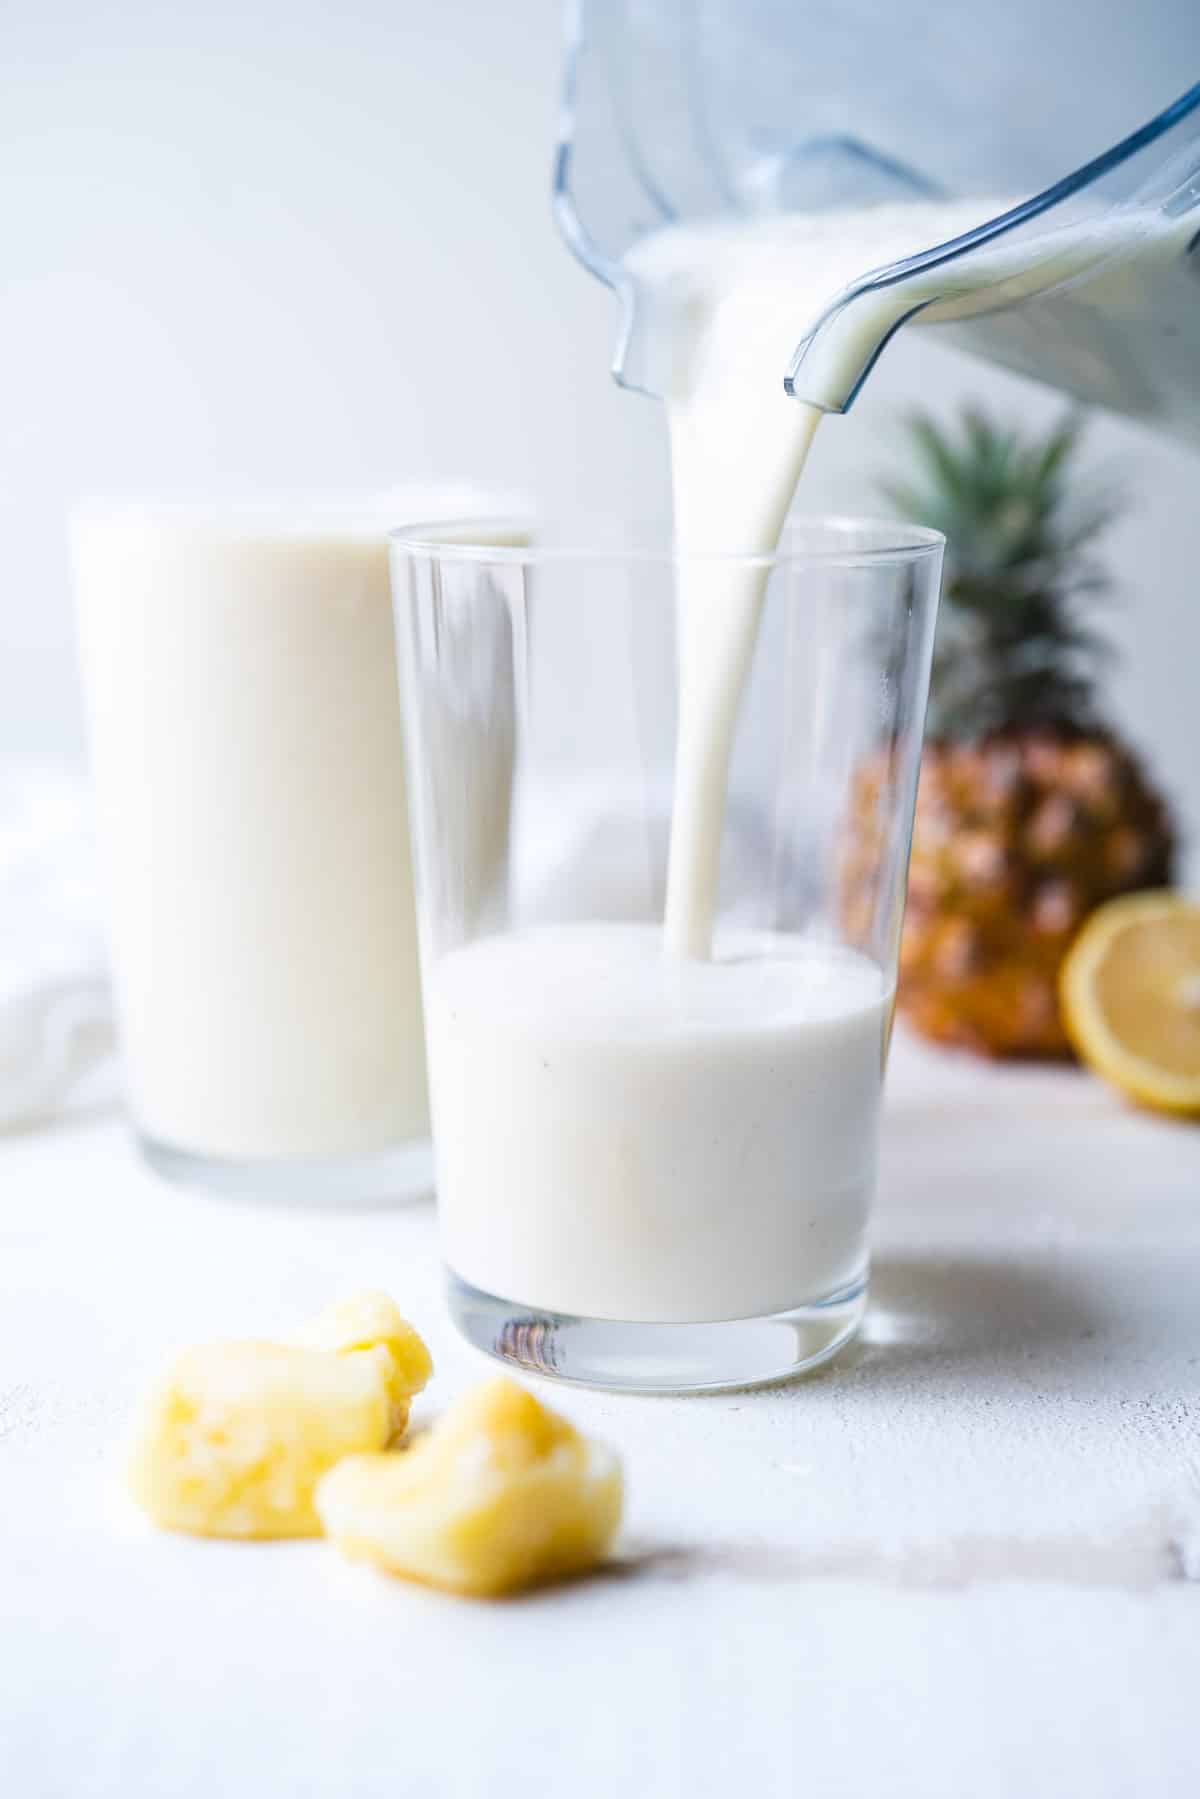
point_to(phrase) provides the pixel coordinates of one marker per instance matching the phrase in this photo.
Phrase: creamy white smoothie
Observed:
(730, 301)
(623, 1134)
(246, 746)
(645, 1124)
(680, 1126)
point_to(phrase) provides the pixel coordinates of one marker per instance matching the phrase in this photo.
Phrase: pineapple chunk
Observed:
(361, 1322)
(235, 1439)
(501, 1494)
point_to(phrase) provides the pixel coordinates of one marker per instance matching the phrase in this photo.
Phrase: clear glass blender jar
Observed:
(1074, 127)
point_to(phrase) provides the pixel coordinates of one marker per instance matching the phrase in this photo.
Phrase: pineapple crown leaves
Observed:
(1015, 645)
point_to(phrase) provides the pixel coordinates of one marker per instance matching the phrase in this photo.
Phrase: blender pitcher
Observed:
(1066, 124)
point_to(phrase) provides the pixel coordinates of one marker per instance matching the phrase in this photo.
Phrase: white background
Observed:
(298, 246)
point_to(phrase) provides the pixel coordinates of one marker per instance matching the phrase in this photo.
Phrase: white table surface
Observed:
(962, 1562)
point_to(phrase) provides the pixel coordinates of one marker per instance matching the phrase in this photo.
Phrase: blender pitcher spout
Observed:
(680, 117)
(1092, 286)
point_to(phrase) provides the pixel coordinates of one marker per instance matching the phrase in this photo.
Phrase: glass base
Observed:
(381, 1178)
(657, 1358)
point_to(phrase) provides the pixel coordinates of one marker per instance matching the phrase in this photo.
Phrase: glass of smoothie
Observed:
(659, 929)
(239, 672)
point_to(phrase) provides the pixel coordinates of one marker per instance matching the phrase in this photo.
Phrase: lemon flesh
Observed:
(1130, 990)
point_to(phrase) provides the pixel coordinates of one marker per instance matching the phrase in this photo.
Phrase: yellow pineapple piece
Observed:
(364, 1320)
(235, 1439)
(501, 1494)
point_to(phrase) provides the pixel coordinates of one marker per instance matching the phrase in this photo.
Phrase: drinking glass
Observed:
(655, 1160)
(244, 724)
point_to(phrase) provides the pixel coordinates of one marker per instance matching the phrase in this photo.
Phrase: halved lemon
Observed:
(1130, 992)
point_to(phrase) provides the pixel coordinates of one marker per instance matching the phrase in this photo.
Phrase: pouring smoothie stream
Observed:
(685, 1125)
(770, 211)
(657, 1140)
(721, 305)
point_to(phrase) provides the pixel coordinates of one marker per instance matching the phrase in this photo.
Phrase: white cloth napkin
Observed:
(56, 1027)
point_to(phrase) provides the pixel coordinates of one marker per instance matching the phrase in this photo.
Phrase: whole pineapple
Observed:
(1030, 809)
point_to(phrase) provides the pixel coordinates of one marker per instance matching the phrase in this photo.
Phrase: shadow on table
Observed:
(1061, 1096)
(1010, 1318)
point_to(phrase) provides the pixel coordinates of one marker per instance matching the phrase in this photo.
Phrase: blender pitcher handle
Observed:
(1056, 308)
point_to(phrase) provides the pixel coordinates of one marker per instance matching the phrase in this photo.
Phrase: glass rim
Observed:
(297, 512)
(808, 541)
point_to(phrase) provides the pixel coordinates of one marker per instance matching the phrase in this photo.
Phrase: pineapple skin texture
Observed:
(1031, 811)
(1018, 837)
(502, 1494)
(235, 1439)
